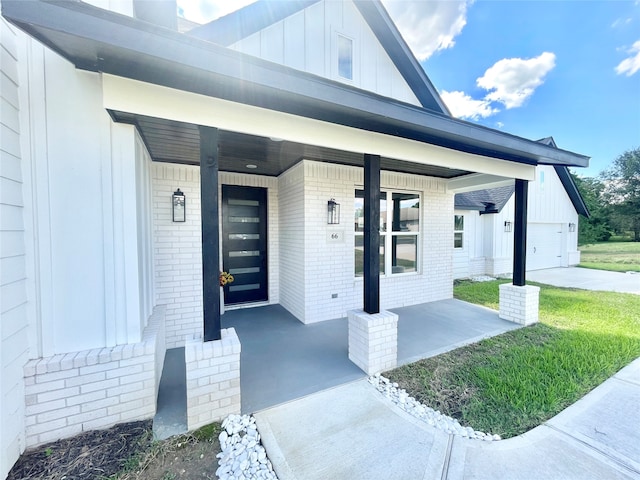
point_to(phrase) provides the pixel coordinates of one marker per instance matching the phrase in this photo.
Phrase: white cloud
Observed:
(462, 105)
(428, 26)
(631, 64)
(511, 81)
(204, 11)
(621, 22)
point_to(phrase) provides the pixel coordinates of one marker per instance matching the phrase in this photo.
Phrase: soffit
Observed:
(179, 142)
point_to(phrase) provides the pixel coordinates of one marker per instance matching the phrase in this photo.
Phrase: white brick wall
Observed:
(213, 378)
(519, 304)
(292, 231)
(323, 268)
(178, 246)
(74, 392)
(13, 296)
(177, 251)
(305, 268)
(373, 340)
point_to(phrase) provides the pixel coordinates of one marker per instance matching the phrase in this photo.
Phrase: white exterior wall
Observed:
(470, 259)
(292, 231)
(307, 41)
(75, 274)
(548, 205)
(84, 191)
(13, 260)
(326, 267)
(178, 246)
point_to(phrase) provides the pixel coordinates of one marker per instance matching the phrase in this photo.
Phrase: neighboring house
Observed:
(483, 226)
(260, 119)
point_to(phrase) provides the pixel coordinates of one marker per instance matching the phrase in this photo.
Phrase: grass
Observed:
(513, 382)
(614, 256)
(192, 455)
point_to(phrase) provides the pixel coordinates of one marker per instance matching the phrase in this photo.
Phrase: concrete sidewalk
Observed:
(587, 279)
(353, 432)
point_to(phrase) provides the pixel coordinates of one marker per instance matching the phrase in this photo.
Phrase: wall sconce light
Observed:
(178, 202)
(333, 212)
(572, 227)
(508, 226)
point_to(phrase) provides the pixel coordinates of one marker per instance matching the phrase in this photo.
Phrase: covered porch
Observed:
(283, 359)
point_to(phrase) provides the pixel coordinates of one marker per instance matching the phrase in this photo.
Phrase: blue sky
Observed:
(568, 69)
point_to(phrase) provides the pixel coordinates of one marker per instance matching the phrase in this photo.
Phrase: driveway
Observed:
(588, 279)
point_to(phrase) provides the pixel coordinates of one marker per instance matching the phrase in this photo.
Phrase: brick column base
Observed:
(519, 304)
(373, 340)
(213, 379)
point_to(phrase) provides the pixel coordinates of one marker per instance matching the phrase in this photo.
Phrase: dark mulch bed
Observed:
(92, 455)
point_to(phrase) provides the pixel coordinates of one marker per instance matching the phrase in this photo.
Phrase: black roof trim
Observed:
(102, 41)
(242, 23)
(567, 182)
(572, 190)
(405, 61)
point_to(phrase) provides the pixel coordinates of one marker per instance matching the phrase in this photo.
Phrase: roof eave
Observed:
(572, 190)
(102, 41)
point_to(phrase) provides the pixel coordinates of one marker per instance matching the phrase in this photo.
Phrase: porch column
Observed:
(518, 301)
(210, 232)
(372, 233)
(520, 233)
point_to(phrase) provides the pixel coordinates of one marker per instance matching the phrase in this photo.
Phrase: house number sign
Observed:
(335, 236)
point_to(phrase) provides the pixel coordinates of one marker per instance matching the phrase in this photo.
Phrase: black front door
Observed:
(244, 243)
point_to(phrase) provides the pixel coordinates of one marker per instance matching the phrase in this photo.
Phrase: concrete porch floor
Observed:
(282, 359)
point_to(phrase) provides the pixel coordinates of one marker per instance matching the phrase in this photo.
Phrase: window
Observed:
(398, 244)
(458, 231)
(345, 57)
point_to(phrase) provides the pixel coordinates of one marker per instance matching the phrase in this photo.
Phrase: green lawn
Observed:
(614, 256)
(516, 381)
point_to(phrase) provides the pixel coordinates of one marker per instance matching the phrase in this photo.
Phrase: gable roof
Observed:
(97, 40)
(257, 16)
(567, 182)
(246, 21)
(490, 200)
(482, 199)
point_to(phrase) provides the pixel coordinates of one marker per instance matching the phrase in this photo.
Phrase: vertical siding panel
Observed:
(249, 45)
(272, 43)
(314, 39)
(294, 41)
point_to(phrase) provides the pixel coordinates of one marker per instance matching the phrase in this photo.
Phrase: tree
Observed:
(596, 228)
(622, 191)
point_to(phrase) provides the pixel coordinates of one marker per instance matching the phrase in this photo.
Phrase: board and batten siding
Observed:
(307, 41)
(85, 186)
(13, 277)
(549, 213)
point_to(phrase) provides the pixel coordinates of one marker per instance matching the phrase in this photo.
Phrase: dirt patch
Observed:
(90, 455)
(123, 452)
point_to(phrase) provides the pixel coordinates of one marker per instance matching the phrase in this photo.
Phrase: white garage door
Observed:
(544, 245)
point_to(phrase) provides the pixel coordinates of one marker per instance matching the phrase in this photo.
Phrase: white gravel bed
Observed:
(482, 278)
(242, 456)
(432, 417)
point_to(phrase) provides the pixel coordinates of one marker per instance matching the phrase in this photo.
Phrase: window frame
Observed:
(335, 56)
(460, 231)
(386, 194)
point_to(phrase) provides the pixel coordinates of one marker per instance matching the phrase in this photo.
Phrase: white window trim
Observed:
(458, 231)
(355, 60)
(389, 234)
